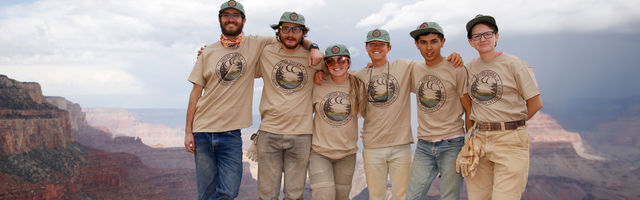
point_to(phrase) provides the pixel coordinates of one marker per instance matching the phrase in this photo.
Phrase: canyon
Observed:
(52, 148)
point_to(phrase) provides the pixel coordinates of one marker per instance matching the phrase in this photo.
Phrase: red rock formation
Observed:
(39, 158)
(543, 128)
(27, 122)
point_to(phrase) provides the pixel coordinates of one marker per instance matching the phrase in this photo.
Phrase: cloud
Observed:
(73, 80)
(518, 16)
(102, 48)
(146, 43)
(146, 49)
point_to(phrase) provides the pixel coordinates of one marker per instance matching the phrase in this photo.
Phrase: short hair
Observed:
(440, 35)
(493, 27)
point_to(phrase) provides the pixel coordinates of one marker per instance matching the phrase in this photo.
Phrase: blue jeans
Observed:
(218, 164)
(430, 159)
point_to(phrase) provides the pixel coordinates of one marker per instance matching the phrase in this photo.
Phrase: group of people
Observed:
(310, 105)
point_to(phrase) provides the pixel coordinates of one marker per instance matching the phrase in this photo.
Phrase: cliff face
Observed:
(27, 122)
(39, 158)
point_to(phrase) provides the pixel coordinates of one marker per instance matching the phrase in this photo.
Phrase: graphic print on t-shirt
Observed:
(289, 76)
(431, 94)
(336, 108)
(381, 89)
(230, 67)
(486, 87)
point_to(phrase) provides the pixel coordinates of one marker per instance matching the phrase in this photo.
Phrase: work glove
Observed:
(469, 156)
(465, 158)
(478, 152)
(252, 153)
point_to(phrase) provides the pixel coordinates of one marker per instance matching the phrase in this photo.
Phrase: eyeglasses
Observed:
(487, 35)
(227, 16)
(295, 29)
(371, 88)
(334, 61)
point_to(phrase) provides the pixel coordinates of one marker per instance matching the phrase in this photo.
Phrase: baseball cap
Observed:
(290, 17)
(231, 4)
(426, 27)
(337, 50)
(378, 35)
(481, 18)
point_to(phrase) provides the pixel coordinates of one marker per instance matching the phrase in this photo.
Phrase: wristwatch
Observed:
(313, 46)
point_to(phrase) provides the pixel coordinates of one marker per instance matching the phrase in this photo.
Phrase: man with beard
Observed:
(214, 118)
(284, 138)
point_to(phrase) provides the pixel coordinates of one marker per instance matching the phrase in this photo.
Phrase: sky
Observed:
(138, 54)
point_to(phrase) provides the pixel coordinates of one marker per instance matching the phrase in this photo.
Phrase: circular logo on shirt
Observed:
(376, 33)
(335, 49)
(289, 76)
(382, 90)
(232, 3)
(230, 67)
(336, 108)
(486, 87)
(293, 16)
(424, 25)
(431, 94)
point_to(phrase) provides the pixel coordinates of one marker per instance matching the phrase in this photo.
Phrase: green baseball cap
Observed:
(231, 4)
(481, 18)
(290, 17)
(426, 27)
(378, 35)
(336, 50)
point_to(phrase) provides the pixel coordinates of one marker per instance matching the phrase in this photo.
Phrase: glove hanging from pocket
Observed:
(252, 153)
(470, 154)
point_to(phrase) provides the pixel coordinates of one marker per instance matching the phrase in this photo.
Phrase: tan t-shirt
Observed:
(336, 121)
(226, 75)
(387, 123)
(438, 90)
(286, 101)
(499, 88)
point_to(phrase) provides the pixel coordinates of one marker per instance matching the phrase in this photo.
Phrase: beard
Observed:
(288, 46)
(237, 32)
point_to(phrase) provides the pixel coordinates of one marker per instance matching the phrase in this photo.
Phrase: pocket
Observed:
(236, 133)
(523, 136)
(456, 141)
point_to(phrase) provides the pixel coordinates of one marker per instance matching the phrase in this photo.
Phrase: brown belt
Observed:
(494, 126)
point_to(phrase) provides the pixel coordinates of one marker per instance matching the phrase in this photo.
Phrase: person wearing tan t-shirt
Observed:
(336, 104)
(504, 95)
(225, 72)
(439, 88)
(284, 138)
(386, 132)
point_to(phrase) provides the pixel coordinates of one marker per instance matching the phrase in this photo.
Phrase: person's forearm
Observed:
(306, 43)
(534, 104)
(466, 105)
(196, 92)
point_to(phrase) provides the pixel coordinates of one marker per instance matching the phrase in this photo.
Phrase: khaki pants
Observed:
(503, 172)
(277, 154)
(331, 179)
(395, 161)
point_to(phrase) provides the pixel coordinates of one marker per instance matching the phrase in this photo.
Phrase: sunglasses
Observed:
(338, 60)
(295, 29)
